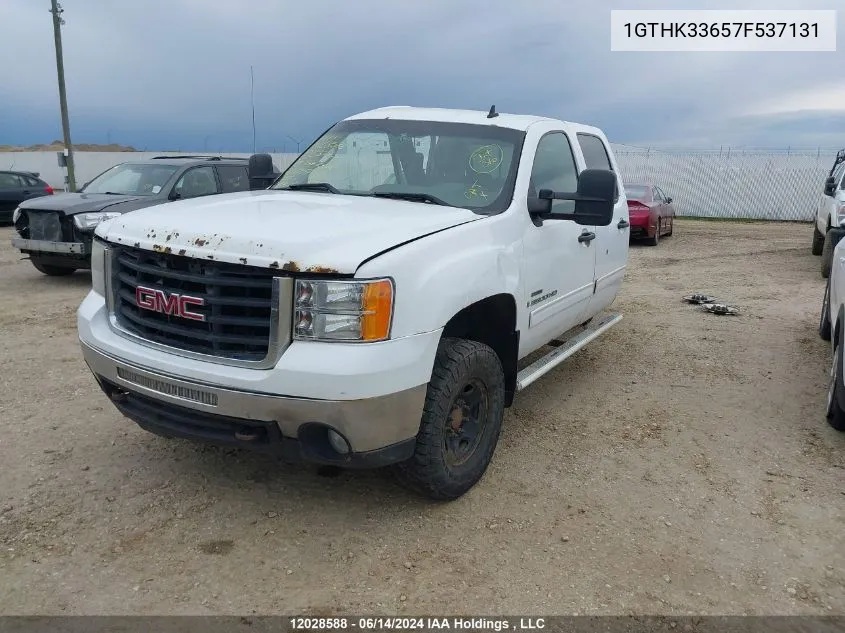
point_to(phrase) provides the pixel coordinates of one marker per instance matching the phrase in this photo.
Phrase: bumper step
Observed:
(564, 349)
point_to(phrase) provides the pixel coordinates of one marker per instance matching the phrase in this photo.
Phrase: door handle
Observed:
(26, 192)
(623, 224)
(586, 237)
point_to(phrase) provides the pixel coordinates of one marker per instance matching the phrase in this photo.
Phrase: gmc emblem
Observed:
(171, 304)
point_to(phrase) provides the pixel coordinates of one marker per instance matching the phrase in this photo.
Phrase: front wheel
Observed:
(827, 255)
(824, 318)
(51, 271)
(818, 241)
(461, 421)
(835, 414)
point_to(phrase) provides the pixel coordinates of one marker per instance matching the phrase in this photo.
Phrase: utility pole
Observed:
(252, 99)
(57, 10)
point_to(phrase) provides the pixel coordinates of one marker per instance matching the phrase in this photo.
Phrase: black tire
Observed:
(824, 317)
(671, 226)
(827, 256)
(818, 241)
(461, 369)
(654, 241)
(52, 271)
(835, 414)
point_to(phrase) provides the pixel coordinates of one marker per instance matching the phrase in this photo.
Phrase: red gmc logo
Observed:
(172, 304)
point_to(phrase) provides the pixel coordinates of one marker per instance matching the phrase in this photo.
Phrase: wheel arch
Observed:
(491, 321)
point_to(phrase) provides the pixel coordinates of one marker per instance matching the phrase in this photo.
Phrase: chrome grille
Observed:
(240, 304)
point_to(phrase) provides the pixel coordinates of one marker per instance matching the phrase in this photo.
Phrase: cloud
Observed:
(177, 71)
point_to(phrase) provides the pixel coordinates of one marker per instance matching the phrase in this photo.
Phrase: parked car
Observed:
(651, 212)
(17, 186)
(830, 212)
(56, 232)
(832, 328)
(350, 318)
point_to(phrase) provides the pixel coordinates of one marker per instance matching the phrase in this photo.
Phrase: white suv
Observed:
(830, 213)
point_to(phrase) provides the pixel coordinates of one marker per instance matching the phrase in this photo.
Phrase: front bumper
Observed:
(45, 246)
(380, 430)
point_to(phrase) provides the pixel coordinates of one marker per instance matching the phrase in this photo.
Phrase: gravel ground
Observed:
(681, 464)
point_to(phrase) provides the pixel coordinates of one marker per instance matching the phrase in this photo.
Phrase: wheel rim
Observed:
(831, 387)
(465, 423)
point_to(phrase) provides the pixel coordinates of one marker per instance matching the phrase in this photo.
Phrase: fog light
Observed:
(338, 443)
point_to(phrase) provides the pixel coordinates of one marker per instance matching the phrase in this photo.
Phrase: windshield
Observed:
(134, 179)
(637, 192)
(457, 164)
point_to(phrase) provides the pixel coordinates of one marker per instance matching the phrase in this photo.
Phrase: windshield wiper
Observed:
(411, 197)
(312, 186)
(113, 193)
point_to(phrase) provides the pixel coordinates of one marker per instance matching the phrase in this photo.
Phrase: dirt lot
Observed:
(681, 465)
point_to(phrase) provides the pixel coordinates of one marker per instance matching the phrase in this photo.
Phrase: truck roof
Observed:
(479, 117)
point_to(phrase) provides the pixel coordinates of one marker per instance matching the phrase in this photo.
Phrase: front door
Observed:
(559, 255)
(611, 244)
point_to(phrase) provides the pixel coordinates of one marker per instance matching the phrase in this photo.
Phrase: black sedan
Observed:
(17, 186)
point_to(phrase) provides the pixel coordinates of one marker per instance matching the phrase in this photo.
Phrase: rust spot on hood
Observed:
(274, 265)
(291, 266)
(158, 248)
(200, 242)
(243, 260)
(137, 244)
(320, 269)
(182, 251)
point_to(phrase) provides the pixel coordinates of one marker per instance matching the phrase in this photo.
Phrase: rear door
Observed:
(611, 242)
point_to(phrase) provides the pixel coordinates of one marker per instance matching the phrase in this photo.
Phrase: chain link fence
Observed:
(783, 185)
(727, 183)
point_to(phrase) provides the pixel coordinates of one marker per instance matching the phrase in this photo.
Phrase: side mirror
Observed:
(260, 166)
(174, 195)
(593, 200)
(829, 186)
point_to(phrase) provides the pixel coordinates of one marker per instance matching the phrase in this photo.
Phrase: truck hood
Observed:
(73, 203)
(295, 231)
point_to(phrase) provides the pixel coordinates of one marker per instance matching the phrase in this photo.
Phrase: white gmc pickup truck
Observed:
(371, 308)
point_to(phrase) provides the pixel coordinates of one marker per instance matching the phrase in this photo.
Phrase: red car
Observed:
(650, 212)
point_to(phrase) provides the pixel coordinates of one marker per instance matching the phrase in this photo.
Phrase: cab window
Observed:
(554, 168)
(196, 182)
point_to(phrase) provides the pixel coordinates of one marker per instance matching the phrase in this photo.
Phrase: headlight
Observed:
(343, 310)
(98, 267)
(86, 221)
(16, 215)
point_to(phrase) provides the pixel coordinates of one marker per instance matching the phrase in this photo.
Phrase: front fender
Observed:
(439, 275)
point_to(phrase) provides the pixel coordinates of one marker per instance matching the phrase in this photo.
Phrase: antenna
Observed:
(492, 114)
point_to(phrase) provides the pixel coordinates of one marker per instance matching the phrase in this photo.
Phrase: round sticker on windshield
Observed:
(156, 189)
(486, 159)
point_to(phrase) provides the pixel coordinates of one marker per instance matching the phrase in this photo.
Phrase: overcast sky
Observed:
(175, 74)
